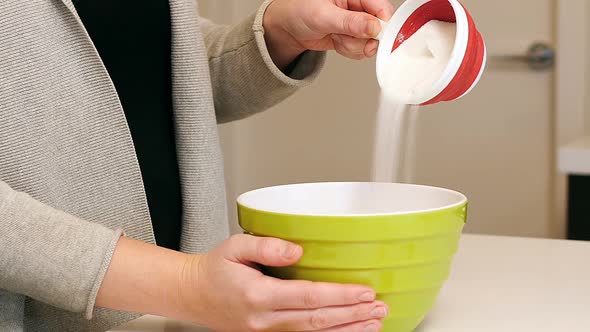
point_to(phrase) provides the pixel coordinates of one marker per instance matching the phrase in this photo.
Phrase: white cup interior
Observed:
(351, 199)
(392, 29)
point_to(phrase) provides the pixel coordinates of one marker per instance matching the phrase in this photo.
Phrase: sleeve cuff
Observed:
(308, 65)
(110, 250)
(55, 257)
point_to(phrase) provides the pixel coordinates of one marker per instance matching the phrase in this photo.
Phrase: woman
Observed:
(108, 125)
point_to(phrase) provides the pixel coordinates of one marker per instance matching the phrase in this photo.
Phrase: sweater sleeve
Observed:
(245, 79)
(49, 255)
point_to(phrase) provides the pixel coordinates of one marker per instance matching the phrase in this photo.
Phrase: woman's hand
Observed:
(227, 293)
(223, 290)
(347, 26)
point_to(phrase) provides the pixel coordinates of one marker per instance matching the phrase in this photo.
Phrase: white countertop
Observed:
(498, 284)
(574, 158)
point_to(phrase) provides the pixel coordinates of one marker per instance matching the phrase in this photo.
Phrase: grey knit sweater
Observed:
(70, 183)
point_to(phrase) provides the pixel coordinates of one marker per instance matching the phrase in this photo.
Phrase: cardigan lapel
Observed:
(143, 231)
(199, 154)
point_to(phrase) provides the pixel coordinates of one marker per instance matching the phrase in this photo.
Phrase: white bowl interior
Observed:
(351, 199)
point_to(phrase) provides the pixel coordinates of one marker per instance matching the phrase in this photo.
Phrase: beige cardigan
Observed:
(69, 177)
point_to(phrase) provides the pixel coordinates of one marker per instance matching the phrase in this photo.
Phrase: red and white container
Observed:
(469, 52)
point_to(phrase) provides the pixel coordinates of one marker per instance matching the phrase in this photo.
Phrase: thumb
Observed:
(355, 24)
(263, 250)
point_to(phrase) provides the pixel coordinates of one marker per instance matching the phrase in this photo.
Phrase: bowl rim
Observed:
(463, 201)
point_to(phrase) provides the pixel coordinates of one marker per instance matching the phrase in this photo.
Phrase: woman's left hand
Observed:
(347, 26)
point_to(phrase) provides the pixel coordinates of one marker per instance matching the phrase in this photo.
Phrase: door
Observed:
(495, 145)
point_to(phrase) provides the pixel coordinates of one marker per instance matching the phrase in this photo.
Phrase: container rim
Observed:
(461, 201)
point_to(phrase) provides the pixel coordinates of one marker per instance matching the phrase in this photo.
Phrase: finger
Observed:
(324, 318)
(350, 47)
(266, 251)
(368, 326)
(371, 48)
(383, 9)
(313, 295)
(345, 22)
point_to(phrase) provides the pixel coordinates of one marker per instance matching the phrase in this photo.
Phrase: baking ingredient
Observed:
(408, 76)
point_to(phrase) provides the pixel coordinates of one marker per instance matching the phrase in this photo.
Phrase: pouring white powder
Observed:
(409, 74)
(416, 65)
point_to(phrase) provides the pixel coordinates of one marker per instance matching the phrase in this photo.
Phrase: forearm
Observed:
(146, 279)
(244, 75)
(49, 255)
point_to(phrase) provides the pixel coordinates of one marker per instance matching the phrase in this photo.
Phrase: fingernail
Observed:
(371, 328)
(367, 297)
(290, 251)
(373, 28)
(373, 50)
(379, 312)
(385, 13)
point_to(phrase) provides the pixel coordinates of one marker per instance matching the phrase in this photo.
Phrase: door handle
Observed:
(539, 57)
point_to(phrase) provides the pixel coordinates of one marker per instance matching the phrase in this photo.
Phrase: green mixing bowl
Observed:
(399, 239)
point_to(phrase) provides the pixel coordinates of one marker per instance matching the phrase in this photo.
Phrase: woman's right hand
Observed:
(225, 291)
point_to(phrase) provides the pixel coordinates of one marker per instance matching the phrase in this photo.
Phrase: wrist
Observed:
(144, 278)
(189, 302)
(282, 46)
